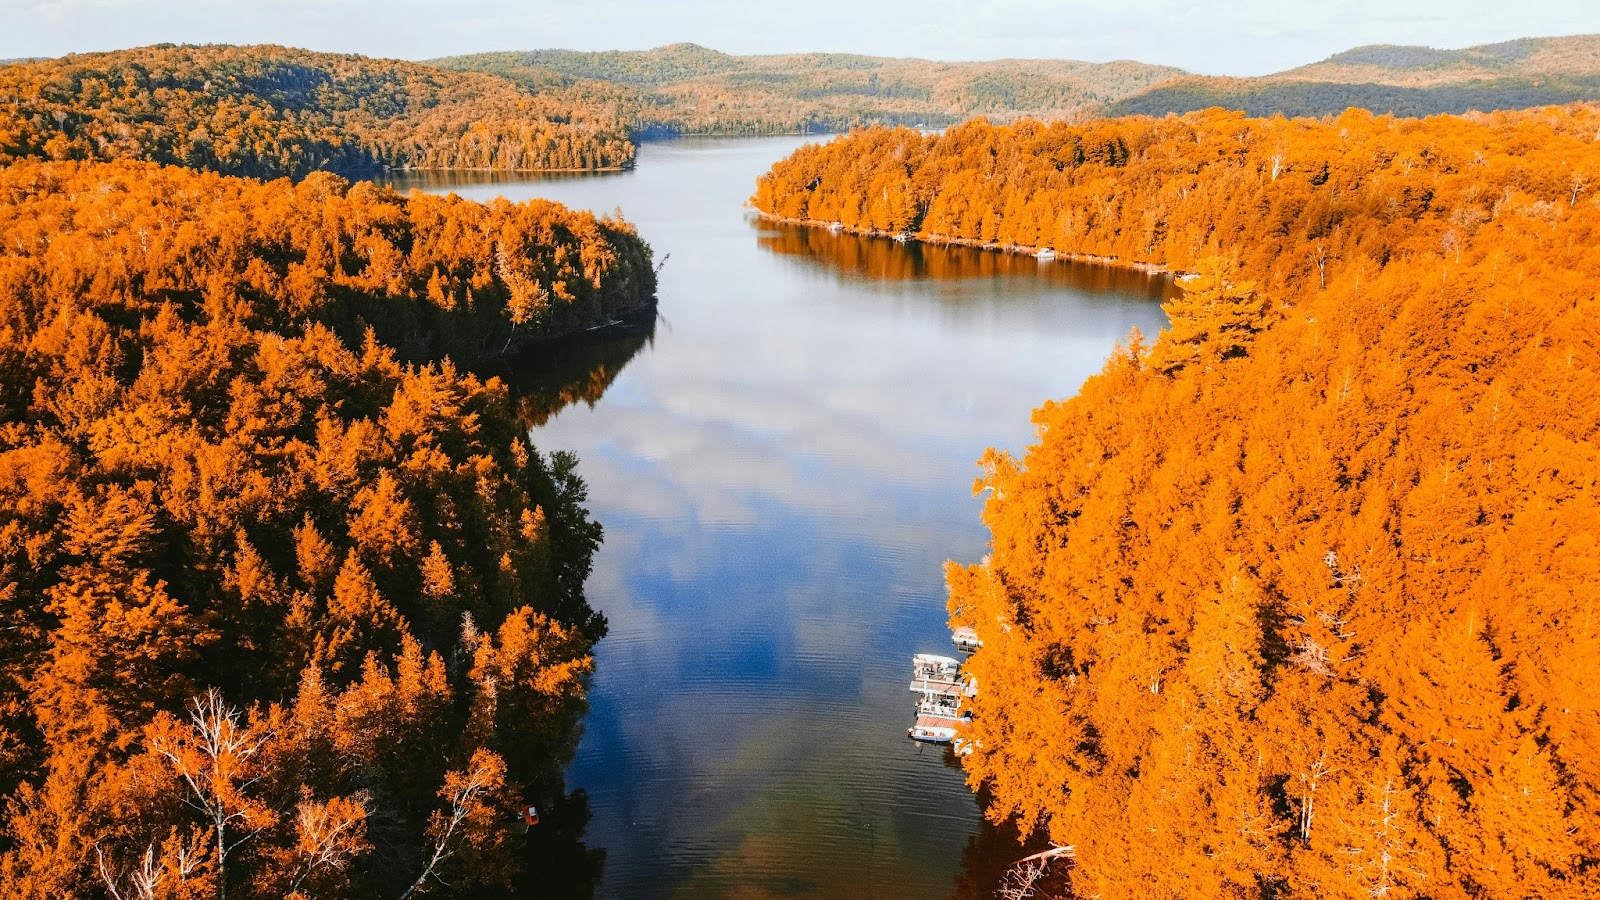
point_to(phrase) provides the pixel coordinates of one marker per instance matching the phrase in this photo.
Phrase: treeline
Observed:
(687, 89)
(433, 275)
(1297, 600)
(1402, 81)
(1328, 98)
(1569, 55)
(856, 256)
(284, 615)
(271, 111)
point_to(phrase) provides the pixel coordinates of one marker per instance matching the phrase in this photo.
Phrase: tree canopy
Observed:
(432, 274)
(286, 611)
(268, 111)
(1297, 600)
(685, 88)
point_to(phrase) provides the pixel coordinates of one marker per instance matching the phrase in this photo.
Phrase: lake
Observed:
(782, 468)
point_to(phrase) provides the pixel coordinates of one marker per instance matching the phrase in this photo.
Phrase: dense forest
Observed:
(431, 274)
(285, 614)
(1263, 97)
(684, 88)
(1569, 55)
(1403, 81)
(276, 111)
(1297, 599)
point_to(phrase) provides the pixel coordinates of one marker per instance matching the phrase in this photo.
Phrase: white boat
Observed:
(965, 639)
(947, 705)
(939, 681)
(1045, 254)
(935, 674)
(935, 729)
(931, 665)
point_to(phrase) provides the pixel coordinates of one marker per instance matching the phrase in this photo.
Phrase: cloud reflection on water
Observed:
(781, 472)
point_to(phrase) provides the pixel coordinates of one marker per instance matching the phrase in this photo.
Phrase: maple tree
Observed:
(1297, 599)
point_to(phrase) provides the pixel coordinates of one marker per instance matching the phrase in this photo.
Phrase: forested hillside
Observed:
(1574, 55)
(276, 111)
(283, 614)
(1404, 81)
(433, 275)
(685, 88)
(1298, 599)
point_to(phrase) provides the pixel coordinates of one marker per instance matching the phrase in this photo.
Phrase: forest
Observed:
(1403, 81)
(1297, 598)
(1260, 97)
(686, 88)
(432, 275)
(263, 543)
(272, 112)
(689, 89)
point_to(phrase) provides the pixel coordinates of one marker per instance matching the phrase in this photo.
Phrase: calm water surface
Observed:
(782, 468)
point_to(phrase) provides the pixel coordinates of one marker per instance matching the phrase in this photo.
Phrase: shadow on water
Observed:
(556, 863)
(542, 381)
(452, 181)
(988, 859)
(857, 258)
(545, 379)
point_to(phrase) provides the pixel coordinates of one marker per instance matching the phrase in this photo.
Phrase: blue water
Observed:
(782, 470)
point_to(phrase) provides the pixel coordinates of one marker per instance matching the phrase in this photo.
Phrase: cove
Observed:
(782, 464)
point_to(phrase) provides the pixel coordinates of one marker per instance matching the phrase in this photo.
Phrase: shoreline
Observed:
(936, 240)
(407, 170)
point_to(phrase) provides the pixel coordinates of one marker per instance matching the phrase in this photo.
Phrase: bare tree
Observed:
(153, 872)
(331, 834)
(1023, 876)
(215, 757)
(464, 794)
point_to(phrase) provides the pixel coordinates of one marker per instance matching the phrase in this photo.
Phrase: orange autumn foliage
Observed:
(432, 274)
(280, 613)
(1301, 599)
(269, 112)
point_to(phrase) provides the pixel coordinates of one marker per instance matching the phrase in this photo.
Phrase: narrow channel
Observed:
(782, 466)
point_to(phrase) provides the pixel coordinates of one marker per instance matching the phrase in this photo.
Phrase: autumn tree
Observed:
(240, 534)
(1296, 601)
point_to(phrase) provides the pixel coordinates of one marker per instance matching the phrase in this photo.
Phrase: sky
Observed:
(1221, 37)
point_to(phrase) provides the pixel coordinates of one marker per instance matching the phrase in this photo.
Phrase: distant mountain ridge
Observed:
(1573, 55)
(687, 88)
(1403, 80)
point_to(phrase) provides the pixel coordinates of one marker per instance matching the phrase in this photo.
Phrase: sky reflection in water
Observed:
(782, 470)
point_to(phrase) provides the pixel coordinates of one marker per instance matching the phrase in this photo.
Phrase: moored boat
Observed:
(939, 681)
(933, 672)
(935, 729)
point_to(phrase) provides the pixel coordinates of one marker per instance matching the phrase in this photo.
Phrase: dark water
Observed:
(782, 468)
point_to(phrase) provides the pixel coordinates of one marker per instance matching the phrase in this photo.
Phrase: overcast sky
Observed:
(1229, 37)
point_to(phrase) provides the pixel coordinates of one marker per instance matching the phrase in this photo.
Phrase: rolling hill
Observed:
(686, 88)
(270, 111)
(1405, 81)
